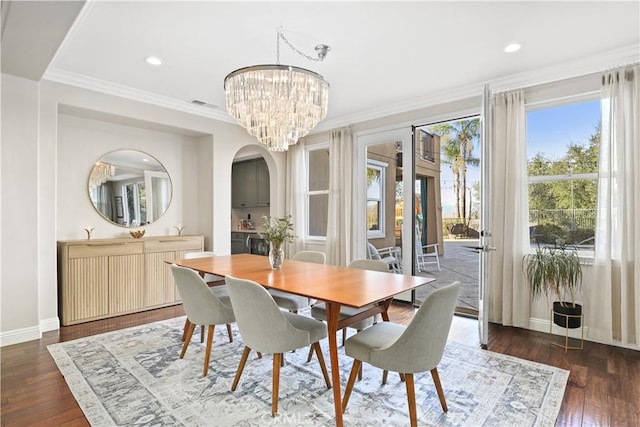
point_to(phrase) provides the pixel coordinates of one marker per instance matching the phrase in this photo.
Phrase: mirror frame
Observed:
(130, 169)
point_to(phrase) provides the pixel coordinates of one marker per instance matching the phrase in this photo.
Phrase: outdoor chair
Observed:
(390, 255)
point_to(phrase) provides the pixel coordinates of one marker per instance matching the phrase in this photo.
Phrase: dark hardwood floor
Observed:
(603, 387)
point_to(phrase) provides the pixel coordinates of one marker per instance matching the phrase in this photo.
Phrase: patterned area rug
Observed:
(134, 377)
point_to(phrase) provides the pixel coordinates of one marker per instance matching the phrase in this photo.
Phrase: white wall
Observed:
(46, 159)
(19, 190)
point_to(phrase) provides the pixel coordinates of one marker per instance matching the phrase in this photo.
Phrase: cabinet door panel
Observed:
(87, 292)
(126, 283)
(160, 288)
(262, 184)
(243, 184)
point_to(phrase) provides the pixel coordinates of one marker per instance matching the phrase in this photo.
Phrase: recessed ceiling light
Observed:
(513, 47)
(153, 60)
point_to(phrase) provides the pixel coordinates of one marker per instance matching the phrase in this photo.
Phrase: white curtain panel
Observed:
(614, 300)
(295, 204)
(338, 246)
(509, 301)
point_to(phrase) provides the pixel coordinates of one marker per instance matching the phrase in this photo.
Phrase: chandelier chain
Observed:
(281, 36)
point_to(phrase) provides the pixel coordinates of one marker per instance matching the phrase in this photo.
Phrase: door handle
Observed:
(485, 248)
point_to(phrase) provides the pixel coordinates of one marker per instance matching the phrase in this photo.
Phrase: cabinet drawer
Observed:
(105, 249)
(176, 244)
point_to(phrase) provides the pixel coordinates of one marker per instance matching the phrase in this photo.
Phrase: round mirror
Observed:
(130, 188)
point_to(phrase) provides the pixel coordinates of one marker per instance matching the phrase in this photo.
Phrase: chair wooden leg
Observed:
(201, 333)
(259, 355)
(436, 381)
(229, 333)
(187, 339)
(411, 398)
(384, 376)
(186, 328)
(401, 377)
(344, 335)
(310, 356)
(323, 366)
(243, 360)
(352, 379)
(207, 354)
(276, 383)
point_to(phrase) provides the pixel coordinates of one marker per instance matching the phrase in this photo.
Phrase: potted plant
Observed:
(555, 271)
(276, 232)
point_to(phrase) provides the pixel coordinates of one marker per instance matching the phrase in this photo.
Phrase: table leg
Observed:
(333, 314)
(386, 303)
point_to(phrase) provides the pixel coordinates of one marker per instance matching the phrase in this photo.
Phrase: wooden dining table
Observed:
(335, 286)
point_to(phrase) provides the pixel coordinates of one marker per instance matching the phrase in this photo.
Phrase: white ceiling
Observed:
(385, 56)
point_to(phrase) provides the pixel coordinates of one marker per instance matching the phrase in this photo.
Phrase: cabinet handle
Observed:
(106, 244)
(176, 240)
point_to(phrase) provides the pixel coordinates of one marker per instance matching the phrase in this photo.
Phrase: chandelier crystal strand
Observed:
(278, 104)
(101, 173)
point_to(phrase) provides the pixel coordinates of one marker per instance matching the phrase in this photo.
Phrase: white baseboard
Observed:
(51, 324)
(542, 325)
(593, 335)
(18, 336)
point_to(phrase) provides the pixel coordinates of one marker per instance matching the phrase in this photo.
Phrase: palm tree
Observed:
(457, 140)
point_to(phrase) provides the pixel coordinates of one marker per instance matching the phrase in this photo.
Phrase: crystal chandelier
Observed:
(278, 104)
(100, 174)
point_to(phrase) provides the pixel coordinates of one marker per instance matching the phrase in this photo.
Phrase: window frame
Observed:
(585, 96)
(309, 193)
(380, 233)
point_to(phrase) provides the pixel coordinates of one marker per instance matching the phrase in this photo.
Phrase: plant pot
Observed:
(276, 257)
(567, 315)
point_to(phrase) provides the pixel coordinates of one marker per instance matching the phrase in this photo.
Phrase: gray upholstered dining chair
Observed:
(319, 310)
(417, 347)
(293, 302)
(267, 329)
(214, 282)
(202, 307)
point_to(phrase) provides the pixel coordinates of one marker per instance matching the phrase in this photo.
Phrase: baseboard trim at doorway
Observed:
(466, 312)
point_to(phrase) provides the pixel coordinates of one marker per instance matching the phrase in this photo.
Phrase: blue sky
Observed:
(549, 131)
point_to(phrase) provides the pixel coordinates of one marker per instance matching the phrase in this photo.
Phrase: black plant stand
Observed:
(566, 345)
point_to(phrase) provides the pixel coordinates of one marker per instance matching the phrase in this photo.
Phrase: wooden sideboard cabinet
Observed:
(108, 277)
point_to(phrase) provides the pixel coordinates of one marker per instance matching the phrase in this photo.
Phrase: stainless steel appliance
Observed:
(257, 245)
(248, 243)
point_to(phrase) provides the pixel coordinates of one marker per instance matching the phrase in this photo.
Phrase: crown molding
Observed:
(584, 66)
(581, 67)
(109, 88)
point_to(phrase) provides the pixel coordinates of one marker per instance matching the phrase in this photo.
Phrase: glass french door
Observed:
(485, 233)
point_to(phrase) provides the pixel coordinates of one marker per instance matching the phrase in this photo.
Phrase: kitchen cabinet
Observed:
(239, 243)
(250, 184)
(108, 277)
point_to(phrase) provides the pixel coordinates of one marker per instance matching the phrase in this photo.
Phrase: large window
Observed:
(562, 160)
(375, 198)
(318, 191)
